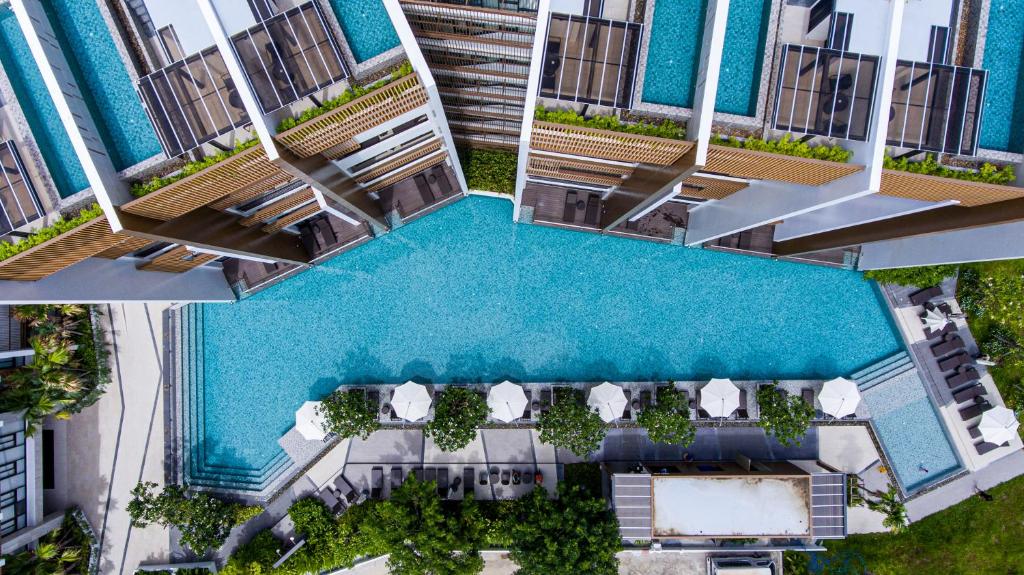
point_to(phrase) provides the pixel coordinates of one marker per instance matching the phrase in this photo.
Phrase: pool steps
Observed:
(882, 371)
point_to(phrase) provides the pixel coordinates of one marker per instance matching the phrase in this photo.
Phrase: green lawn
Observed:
(975, 537)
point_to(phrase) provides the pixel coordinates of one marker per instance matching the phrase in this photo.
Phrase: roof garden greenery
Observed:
(665, 129)
(347, 96)
(786, 146)
(489, 170)
(141, 189)
(987, 173)
(44, 234)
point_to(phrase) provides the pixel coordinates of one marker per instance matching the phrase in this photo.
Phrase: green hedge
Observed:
(665, 129)
(786, 147)
(60, 226)
(347, 96)
(922, 277)
(489, 170)
(143, 188)
(988, 173)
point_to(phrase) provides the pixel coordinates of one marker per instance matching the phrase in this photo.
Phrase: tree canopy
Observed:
(457, 415)
(349, 414)
(571, 425)
(668, 420)
(784, 416)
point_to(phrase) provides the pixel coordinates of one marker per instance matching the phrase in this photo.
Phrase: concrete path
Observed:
(119, 441)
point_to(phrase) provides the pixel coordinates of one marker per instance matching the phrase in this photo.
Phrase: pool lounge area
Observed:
(367, 27)
(1003, 112)
(53, 142)
(674, 53)
(604, 308)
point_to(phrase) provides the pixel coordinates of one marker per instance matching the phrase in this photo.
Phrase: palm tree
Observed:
(889, 503)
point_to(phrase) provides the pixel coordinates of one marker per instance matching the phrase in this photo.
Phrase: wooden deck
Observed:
(418, 194)
(659, 225)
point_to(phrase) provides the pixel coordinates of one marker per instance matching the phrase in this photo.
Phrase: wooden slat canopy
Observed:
(937, 189)
(709, 188)
(403, 159)
(234, 174)
(410, 171)
(606, 144)
(340, 124)
(279, 207)
(129, 245)
(289, 219)
(741, 163)
(63, 251)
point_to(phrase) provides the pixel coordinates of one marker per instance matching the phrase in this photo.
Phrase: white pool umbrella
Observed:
(720, 397)
(309, 422)
(411, 401)
(839, 397)
(507, 401)
(935, 320)
(998, 425)
(608, 400)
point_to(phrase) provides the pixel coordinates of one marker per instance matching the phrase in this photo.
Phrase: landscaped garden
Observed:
(65, 550)
(147, 187)
(664, 129)
(786, 146)
(68, 371)
(489, 170)
(986, 173)
(60, 226)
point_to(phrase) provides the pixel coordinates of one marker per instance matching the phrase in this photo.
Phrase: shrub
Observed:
(347, 96)
(141, 189)
(255, 557)
(350, 414)
(573, 534)
(204, 521)
(988, 173)
(895, 512)
(571, 425)
(489, 170)
(787, 147)
(785, 417)
(64, 550)
(457, 415)
(665, 129)
(668, 421)
(922, 277)
(58, 227)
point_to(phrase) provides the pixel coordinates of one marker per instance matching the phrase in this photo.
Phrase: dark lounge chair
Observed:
(545, 400)
(942, 307)
(963, 376)
(954, 361)
(741, 411)
(921, 296)
(330, 500)
(975, 410)
(345, 489)
(950, 343)
(442, 482)
(443, 183)
(430, 474)
(975, 432)
(569, 213)
(701, 414)
(645, 399)
(968, 394)
(468, 474)
(494, 476)
(946, 329)
(376, 482)
(593, 210)
(808, 396)
(626, 413)
(423, 188)
(396, 477)
(984, 447)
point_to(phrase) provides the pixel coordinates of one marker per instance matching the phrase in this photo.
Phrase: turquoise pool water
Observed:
(911, 433)
(1003, 112)
(36, 104)
(739, 81)
(106, 87)
(465, 294)
(676, 35)
(367, 27)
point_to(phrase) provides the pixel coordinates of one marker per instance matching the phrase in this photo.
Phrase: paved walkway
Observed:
(119, 441)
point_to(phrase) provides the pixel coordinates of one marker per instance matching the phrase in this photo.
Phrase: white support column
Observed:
(419, 63)
(705, 92)
(765, 202)
(989, 243)
(540, 38)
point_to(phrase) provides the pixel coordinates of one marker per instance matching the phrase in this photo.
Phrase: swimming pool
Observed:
(673, 52)
(465, 294)
(35, 102)
(910, 431)
(739, 81)
(106, 87)
(367, 27)
(1003, 112)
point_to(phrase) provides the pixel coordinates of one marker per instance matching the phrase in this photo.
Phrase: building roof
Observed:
(18, 202)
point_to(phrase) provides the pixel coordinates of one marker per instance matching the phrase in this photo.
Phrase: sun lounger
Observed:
(376, 482)
(506, 477)
(345, 489)
(975, 432)
(954, 361)
(946, 329)
(330, 500)
(545, 400)
(592, 215)
(423, 188)
(569, 213)
(430, 474)
(963, 376)
(417, 472)
(984, 447)
(741, 411)
(396, 477)
(975, 410)
(325, 233)
(951, 342)
(969, 394)
(808, 396)
(494, 476)
(626, 414)
(443, 183)
(921, 296)
(442, 482)
(468, 475)
(645, 399)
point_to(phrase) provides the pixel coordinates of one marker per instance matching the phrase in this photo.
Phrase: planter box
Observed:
(913, 186)
(743, 163)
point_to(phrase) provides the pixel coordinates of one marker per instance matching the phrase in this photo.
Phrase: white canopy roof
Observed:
(411, 401)
(309, 423)
(507, 401)
(998, 425)
(608, 400)
(839, 397)
(720, 397)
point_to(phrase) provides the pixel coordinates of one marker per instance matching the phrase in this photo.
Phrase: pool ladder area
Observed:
(883, 371)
